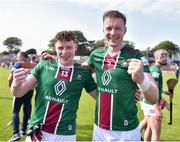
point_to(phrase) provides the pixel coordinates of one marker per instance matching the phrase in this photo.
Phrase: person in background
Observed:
(176, 67)
(152, 113)
(25, 101)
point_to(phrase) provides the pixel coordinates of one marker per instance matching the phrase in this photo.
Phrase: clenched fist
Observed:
(19, 77)
(136, 70)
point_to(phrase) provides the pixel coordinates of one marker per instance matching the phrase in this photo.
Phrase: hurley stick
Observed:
(171, 83)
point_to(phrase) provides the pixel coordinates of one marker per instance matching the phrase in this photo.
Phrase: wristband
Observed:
(145, 85)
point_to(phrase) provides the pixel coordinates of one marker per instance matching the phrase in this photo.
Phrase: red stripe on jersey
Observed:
(64, 73)
(105, 110)
(109, 62)
(52, 117)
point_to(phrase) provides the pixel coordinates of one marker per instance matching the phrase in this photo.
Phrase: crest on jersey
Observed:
(60, 87)
(79, 76)
(155, 74)
(124, 63)
(106, 77)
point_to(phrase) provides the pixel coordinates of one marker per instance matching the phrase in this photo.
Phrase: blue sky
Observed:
(37, 21)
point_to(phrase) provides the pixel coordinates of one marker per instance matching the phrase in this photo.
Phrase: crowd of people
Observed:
(122, 75)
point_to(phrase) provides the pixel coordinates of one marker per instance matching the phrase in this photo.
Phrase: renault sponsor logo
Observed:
(60, 87)
(106, 77)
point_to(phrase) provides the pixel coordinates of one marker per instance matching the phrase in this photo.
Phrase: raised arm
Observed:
(150, 94)
(22, 82)
(144, 81)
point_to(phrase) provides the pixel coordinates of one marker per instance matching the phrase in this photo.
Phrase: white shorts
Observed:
(100, 134)
(148, 109)
(52, 137)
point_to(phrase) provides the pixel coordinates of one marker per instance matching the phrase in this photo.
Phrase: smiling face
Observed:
(114, 30)
(65, 51)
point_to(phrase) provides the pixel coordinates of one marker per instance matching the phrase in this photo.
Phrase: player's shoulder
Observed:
(100, 50)
(154, 67)
(81, 68)
(45, 62)
(130, 50)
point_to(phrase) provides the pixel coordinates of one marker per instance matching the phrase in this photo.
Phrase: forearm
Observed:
(151, 93)
(156, 107)
(18, 91)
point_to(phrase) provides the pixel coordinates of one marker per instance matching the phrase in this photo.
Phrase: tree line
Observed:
(13, 45)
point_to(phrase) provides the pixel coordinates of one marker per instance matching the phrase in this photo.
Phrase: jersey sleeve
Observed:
(90, 60)
(36, 71)
(90, 83)
(155, 74)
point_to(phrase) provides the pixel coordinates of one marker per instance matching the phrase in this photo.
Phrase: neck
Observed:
(115, 49)
(66, 66)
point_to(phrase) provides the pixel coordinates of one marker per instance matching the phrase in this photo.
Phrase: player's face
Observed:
(114, 31)
(65, 52)
(162, 58)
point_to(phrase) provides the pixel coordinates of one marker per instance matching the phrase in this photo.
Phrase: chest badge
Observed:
(79, 76)
(124, 63)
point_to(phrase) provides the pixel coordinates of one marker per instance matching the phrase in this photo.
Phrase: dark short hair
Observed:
(24, 55)
(114, 14)
(64, 36)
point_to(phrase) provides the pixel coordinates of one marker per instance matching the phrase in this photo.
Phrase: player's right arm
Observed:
(22, 82)
(10, 79)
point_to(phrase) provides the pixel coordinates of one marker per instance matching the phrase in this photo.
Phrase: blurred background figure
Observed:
(23, 61)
